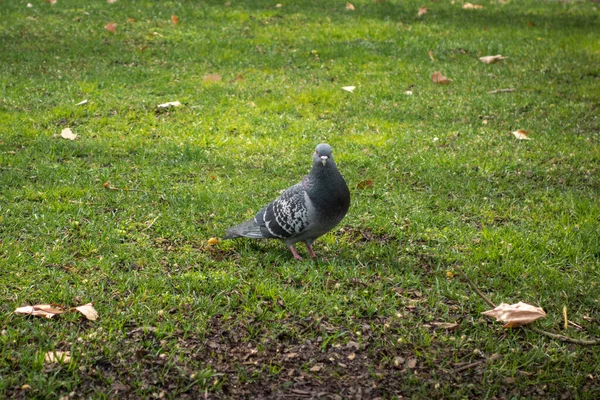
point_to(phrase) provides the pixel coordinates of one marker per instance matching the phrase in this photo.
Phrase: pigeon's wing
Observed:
(286, 216)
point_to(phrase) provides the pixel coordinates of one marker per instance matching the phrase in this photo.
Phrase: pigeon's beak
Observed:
(324, 159)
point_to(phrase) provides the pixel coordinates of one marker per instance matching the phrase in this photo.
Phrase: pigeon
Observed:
(305, 211)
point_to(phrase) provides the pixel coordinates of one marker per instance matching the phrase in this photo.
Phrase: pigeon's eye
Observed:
(317, 151)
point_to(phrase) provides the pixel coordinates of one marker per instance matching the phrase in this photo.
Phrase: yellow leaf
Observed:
(213, 241)
(349, 6)
(516, 314)
(68, 134)
(53, 357)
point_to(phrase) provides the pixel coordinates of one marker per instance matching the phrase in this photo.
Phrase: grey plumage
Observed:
(304, 211)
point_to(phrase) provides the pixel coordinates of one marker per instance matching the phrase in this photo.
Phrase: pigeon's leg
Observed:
(294, 252)
(310, 249)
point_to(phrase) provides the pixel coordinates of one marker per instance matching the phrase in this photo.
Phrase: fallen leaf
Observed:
(349, 88)
(119, 387)
(40, 310)
(349, 6)
(68, 134)
(111, 27)
(169, 104)
(82, 102)
(351, 356)
(315, 368)
(174, 19)
(213, 240)
(367, 183)
(291, 355)
(492, 59)
(445, 325)
(56, 356)
(440, 79)
(25, 387)
(422, 11)
(521, 134)
(353, 344)
(408, 93)
(211, 78)
(515, 314)
(111, 1)
(411, 363)
(50, 1)
(469, 6)
(399, 362)
(89, 311)
(278, 5)
(431, 55)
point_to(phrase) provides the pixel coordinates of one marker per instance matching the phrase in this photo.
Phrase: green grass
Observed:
(451, 187)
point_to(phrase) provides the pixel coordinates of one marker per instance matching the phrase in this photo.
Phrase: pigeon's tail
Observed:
(249, 229)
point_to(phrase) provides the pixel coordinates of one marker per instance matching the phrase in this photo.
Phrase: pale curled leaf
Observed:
(492, 59)
(40, 310)
(521, 134)
(349, 6)
(440, 79)
(516, 314)
(469, 6)
(422, 11)
(211, 78)
(56, 356)
(169, 104)
(89, 311)
(68, 134)
(349, 88)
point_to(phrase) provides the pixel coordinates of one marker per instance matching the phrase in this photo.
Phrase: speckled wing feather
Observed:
(286, 216)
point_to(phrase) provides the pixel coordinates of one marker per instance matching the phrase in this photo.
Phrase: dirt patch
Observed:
(363, 235)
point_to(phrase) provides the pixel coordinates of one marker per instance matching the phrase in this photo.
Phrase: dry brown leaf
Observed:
(119, 387)
(68, 134)
(492, 59)
(367, 183)
(53, 357)
(174, 19)
(40, 310)
(169, 104)
(349, 6)
(422, 11)
(89, 311)
(213, 240)
(315, 368)
(469, 6)
(351, 356)
(111, 27)
(521, 134)
(440, 79)
(50, 1)
(211, 78)
(349, 88)
(411, 363)
(445, 325)
(516, 314)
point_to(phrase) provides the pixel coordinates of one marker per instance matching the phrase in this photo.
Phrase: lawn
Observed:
(123, 215)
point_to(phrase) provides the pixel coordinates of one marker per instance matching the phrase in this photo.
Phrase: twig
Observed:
(502, 90)
(586, 342)
(109, 187)
(477, 363)
(149, 225)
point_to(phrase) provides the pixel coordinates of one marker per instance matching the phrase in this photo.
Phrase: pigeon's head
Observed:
(322, 154)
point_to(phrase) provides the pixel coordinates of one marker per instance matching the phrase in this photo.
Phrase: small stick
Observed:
(502, 90)
(109, 187)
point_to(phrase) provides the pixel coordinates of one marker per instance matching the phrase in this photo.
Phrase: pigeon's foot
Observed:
(295, 253)
(310, 250)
